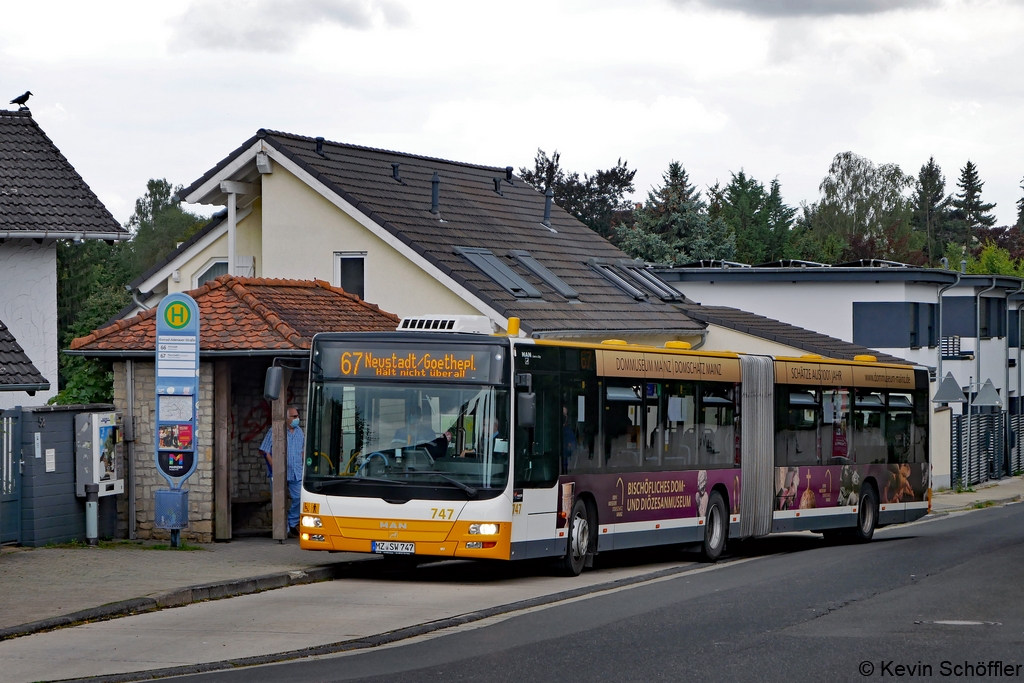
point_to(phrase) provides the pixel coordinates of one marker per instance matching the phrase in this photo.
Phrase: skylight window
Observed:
(494, 268)
(540, 270)
(650, 281)
(611, 274)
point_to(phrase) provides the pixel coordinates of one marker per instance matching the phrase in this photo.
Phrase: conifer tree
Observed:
(743, 211)
(931, 208)
(970, 212)
(673, 225)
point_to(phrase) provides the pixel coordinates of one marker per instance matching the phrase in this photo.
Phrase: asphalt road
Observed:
(780, 609)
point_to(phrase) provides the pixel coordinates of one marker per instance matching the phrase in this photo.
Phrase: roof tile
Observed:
(245, 314)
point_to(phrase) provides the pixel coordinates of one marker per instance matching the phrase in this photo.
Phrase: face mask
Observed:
(295, 423)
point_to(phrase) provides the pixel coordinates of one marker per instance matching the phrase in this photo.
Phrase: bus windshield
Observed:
(397, 436)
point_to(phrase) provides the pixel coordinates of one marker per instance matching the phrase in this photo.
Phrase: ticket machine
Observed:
(99, 450)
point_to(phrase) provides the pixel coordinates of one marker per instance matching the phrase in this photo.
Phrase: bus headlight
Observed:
(483, 529)
(313, 522)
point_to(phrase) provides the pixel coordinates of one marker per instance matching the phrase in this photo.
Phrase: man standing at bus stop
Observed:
(296, 442)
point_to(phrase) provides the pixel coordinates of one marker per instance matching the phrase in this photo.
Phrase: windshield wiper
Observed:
(318, 485)
(470, 491)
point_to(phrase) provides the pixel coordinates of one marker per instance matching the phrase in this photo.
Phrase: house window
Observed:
(349, 268)
(213, 269)
(894, 324)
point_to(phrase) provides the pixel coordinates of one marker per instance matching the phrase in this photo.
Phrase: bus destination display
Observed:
(454, 364)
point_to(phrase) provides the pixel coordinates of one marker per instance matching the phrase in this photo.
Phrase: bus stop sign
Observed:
(177, 387)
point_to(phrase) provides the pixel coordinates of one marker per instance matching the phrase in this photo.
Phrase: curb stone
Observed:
(991, 503)
(369, 642)
(183, 596)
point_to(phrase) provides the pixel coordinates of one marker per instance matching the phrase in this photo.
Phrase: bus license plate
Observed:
(394, 548)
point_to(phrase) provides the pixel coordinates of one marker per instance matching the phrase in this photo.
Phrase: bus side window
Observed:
(680, 421)
(869, 445)
(538, 448)
(835, 427)
(579, 411)
(623, 425)
(797, 420)
(717, 437)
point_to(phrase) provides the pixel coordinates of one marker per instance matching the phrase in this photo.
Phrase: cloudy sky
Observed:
(135, 90)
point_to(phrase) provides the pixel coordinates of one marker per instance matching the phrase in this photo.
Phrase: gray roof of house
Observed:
(17, 373)
(41, 192)
(474, 215)
(783, 333)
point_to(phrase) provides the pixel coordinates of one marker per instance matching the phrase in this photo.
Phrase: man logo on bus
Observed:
(177, 315)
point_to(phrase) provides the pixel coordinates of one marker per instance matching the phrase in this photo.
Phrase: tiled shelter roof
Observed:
(41, 192)
(249, 314)
(479, 208)
(17, 373)
(784, 333)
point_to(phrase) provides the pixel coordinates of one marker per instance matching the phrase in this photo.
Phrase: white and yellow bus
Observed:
(430, 442)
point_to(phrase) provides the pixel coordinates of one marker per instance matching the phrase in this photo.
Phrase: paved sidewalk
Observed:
(45, 588)
(996, 492)
(52, 583)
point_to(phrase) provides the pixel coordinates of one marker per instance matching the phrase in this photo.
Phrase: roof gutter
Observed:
(554, 334)
(30, 388)
(63, 235)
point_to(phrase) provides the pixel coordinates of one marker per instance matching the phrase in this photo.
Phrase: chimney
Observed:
(320, 146)
(394, 172)
(435, 192)
(497, 185)
(508, 174)
(548, 198)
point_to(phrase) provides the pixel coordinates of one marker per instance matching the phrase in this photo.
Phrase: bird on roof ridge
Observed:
(20, 100)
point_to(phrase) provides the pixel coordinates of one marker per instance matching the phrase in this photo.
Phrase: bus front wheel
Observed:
(867, 515)
(715, 529)
(579, 540)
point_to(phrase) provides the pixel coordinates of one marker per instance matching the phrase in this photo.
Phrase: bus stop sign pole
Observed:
(177, 388)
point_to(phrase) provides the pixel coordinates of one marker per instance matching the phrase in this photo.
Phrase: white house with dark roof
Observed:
(420, 235)
(42, 200)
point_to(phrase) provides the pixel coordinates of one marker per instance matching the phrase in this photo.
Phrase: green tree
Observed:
(598, 200)
(969, 211)
(91, 284)
(779, 220)
(760, 219)
(931, 208)
(865, 208)
(743, 212)
(673, 225)
(158, 225)
(994, 260)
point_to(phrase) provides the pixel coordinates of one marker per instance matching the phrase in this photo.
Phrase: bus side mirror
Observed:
(272, 385)
(526, 410)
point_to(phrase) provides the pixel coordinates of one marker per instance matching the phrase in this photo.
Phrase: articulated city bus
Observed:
(430, 442)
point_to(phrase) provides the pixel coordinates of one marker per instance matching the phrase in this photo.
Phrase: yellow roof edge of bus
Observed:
(634, 347)
(841, 361)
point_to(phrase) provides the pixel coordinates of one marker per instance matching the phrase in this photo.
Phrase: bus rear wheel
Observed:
(715, 529)
(579, 540)
(867, 515)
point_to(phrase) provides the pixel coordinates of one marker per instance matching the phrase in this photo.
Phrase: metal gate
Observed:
(1016, 452)
(986, 458)
(10, 476)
